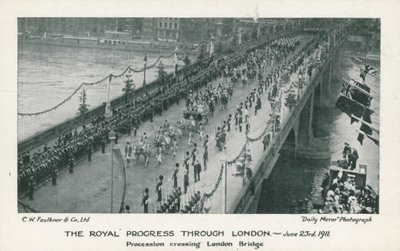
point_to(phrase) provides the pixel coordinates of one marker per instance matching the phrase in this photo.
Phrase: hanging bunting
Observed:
(54, 107)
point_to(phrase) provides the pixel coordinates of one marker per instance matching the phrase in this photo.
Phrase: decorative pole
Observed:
(83, 107)
(112, 137)
(225, 163)
(226, 186)
(144, 72)
(107, 112)
(175, 61)
(274, 115)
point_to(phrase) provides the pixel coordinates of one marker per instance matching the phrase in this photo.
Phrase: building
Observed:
(71, 26)
(168, 29)
(149, 28)
(80, 26)
(191, 30)
(202, 29)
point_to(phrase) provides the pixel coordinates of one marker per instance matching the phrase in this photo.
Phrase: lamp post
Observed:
(225, 197)
(144, 72)
(111, 136)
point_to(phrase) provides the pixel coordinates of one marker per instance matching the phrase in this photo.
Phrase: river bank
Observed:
(130, 47)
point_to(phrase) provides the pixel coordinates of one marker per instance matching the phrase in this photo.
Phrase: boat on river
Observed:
(345, 190)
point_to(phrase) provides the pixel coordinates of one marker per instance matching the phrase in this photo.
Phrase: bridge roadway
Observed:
(243, 196)
(87, 190)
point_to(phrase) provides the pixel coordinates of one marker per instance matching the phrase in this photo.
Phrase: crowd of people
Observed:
(243, 65)
(211, 96)
(344, 195)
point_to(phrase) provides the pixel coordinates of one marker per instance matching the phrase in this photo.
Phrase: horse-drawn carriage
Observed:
(193, 117)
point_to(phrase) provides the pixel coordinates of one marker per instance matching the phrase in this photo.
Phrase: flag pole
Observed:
(364, 122)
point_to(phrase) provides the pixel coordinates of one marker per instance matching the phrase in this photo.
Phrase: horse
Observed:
(163, 141)
(174, 132)
(144, 150)
(185, 125)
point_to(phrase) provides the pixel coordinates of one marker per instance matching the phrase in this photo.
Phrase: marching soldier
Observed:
(229, 123)
(71, 164)
(116, 137)
(205, 158)
(128, 152)
(54, 177)
(103, 145)
(174, 147)
(205, 144)
(258, 104)
(159, 188)
(89, 153)
(197, 170)
(185, 181)
(178, 200)
(247, 127)
(145, 200)
(194, 153)
(31, 187)
(175, 175)
(187, 161)
(151, 111)
(160, 106)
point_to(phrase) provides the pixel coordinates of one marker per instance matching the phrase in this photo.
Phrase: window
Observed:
(165, 25)
(170, 25)
(176, 25)
(160, 25)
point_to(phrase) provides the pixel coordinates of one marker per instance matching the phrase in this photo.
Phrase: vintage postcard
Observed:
(235, 129)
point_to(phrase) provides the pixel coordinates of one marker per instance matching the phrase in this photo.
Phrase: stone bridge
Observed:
(295, 132)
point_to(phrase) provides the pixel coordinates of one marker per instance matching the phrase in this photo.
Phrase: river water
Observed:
(49, 74)
(294, 180)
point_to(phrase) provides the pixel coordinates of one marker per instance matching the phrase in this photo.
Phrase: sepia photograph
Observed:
(162, 115)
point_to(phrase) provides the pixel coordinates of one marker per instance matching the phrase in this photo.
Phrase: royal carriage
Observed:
(194, 116)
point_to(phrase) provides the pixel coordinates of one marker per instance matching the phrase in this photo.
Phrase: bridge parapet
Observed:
(247, 199)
